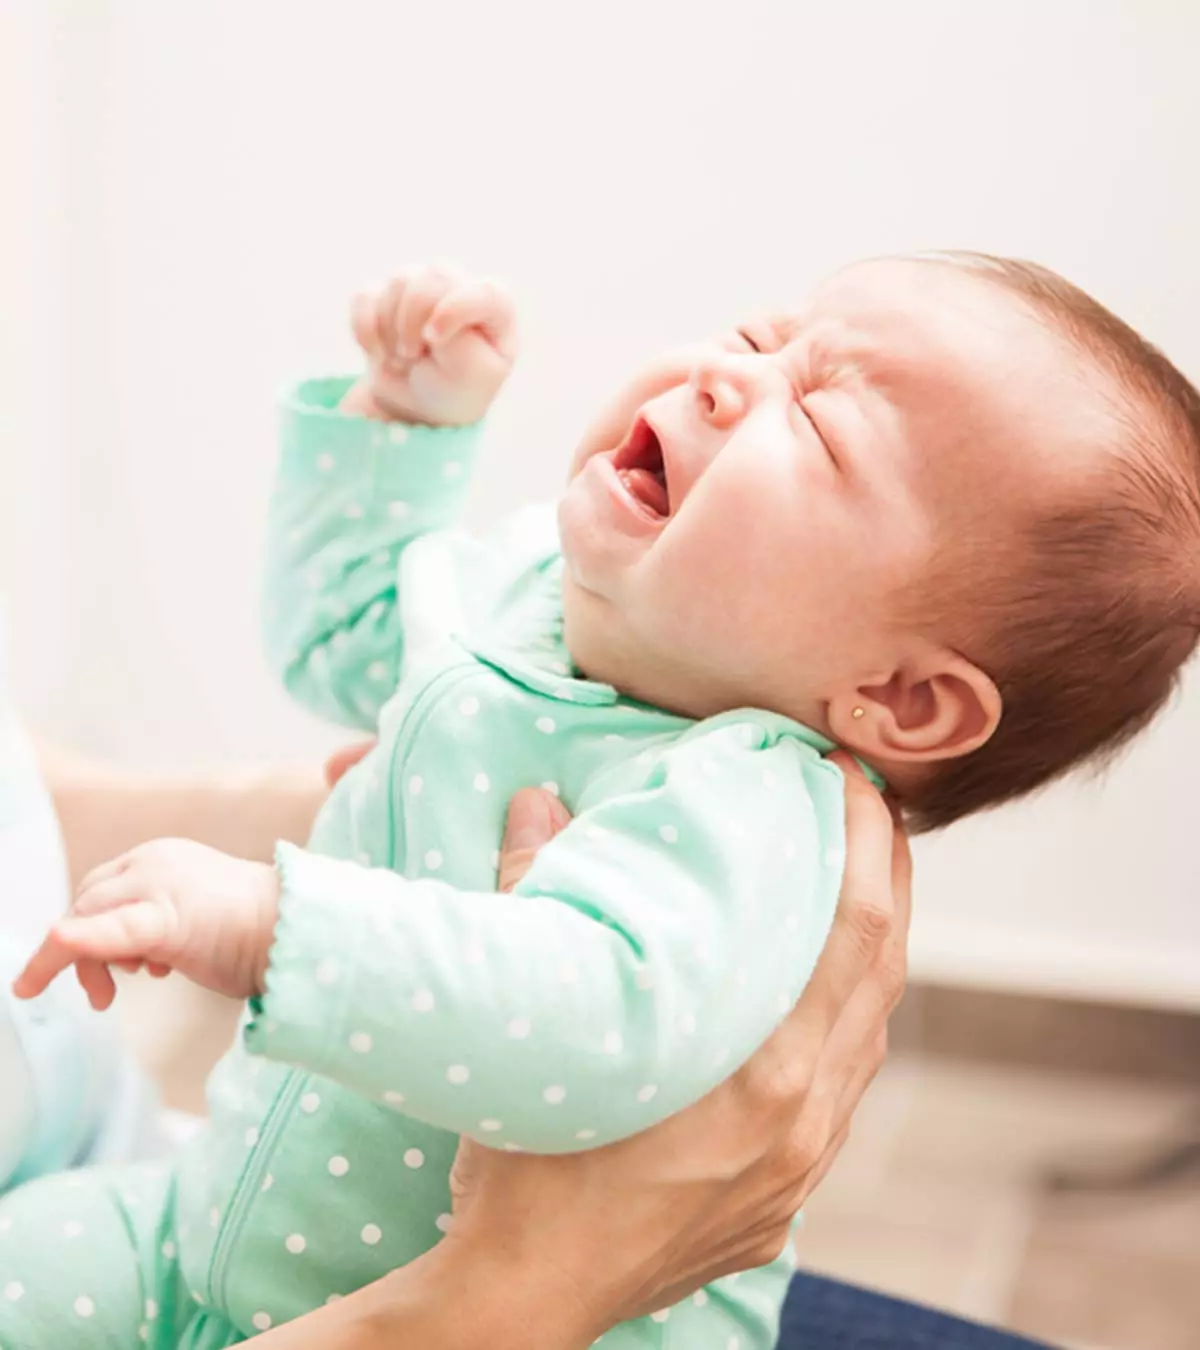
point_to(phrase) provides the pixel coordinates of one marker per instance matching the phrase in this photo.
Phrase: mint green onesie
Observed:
(650, 949)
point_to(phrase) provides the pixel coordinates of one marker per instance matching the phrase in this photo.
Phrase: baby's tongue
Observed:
(647, 488)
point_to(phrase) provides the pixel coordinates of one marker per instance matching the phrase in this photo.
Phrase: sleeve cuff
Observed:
(320, 442)
(298, 1016)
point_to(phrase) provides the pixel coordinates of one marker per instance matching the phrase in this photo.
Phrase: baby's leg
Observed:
(86, 1261)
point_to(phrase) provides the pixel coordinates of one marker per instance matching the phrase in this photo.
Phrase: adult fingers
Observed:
(863, 921)
(342, 761)
(535, 816)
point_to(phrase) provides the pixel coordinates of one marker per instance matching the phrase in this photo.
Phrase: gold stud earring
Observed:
(858, 714)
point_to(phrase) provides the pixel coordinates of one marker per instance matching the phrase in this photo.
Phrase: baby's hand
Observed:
(170, 904)
(439, 347)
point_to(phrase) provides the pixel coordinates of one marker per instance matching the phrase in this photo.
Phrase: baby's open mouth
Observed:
(639, 465)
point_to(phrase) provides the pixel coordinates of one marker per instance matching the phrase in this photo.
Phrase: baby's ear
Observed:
(938, 706)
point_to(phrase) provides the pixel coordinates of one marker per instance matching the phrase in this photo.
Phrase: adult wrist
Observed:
(481, 1294)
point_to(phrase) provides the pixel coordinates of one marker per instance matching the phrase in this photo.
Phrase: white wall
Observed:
(32, 465)
(639, 172)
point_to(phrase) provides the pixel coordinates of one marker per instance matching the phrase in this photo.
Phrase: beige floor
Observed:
(940, 1196)
(941, 1193)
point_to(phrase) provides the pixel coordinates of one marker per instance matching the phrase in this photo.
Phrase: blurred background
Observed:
(193, 191)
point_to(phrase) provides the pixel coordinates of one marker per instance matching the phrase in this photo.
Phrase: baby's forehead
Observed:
(928, 327)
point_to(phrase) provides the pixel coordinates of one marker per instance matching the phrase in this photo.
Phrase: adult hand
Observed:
(342, 761)
(635, 1226)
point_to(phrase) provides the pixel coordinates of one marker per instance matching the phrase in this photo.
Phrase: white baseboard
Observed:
(974, 955)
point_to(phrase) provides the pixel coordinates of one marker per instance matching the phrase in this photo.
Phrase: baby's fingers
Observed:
(96, 982)
(477, 304)
(421, 297)
(132, 932)
(123, 888)
(364, 322)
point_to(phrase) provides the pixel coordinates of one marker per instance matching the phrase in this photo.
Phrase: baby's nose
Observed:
(719, 392)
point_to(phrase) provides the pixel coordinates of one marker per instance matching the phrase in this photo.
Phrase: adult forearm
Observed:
(103, 811)
(450, 1299)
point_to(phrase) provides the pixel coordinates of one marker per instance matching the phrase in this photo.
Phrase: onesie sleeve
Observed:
(351, 494)
(649, 951)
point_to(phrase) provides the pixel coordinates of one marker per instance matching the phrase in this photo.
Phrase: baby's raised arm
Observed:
(367, 467)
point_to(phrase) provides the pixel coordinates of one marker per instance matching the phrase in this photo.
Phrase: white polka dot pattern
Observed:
(512, 1032)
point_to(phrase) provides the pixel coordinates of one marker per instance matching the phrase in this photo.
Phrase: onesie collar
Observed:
(529, 647)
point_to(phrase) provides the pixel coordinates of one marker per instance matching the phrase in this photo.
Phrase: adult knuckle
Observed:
(774, 1083)
(770, 1246)
(870, 920)
(801, 1153)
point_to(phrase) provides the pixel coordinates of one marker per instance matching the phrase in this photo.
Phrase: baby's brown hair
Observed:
(1086, 640)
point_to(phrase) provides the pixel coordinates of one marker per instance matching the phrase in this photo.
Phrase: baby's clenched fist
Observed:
(439, 346)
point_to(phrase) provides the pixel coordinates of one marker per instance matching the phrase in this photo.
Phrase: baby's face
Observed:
(746, 521)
